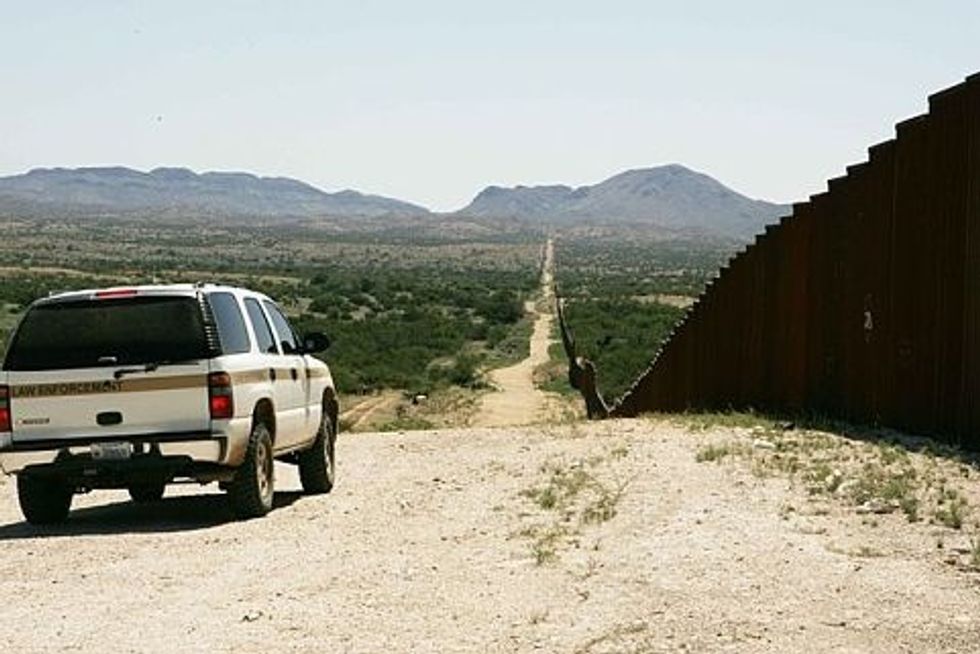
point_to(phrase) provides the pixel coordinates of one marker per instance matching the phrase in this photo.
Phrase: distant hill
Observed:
(178, 191)
(672, 198)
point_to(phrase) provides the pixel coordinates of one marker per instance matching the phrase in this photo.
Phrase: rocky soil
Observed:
(623, 536)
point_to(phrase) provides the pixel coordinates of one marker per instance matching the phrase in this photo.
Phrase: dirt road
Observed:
(441, 542)
(516, 400)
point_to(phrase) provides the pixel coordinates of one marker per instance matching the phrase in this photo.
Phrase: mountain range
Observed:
(672, 199)
(174, 191)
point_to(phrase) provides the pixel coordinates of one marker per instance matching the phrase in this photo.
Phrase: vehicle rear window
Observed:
(231, 325)
(108, 332)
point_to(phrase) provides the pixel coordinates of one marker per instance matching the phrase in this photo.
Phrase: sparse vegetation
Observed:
(406, 423)
(952, 510)
(861, 552)
(624, 294)
(410, 309)
(877, 475)
(573, 497)
(632, 638)
(910, 507)
(702, 421)
(719, 452)
(619, 335)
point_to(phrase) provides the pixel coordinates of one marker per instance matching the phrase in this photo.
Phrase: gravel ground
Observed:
(603, 537)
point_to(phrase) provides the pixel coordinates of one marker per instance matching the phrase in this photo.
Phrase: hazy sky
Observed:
(429, 101)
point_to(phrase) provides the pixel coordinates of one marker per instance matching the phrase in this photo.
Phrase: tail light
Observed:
(6, 422)
(220, 400)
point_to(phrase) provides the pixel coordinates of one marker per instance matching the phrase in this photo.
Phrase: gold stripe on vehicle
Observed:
(249, 376)
(262, 375)
(164, 383)
(67, 389)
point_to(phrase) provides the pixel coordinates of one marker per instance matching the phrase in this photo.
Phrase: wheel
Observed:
(43, 501)
(149, 492)
(251, 490)
(317, 468)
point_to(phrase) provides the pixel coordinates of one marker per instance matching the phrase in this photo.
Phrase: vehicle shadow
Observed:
(171, 514)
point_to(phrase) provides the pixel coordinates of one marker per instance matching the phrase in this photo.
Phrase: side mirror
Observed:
(315, 342)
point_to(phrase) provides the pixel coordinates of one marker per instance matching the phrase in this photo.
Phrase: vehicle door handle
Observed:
(294, 374)
(272, 374)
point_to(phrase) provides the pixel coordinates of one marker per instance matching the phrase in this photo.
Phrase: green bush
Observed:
(620, 337)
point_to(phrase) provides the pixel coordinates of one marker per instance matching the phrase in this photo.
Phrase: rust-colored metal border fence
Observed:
(863, 304)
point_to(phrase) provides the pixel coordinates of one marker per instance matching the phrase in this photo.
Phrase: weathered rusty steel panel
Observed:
(879, 313)
(969, 419)
(864, 303)
(742, 330)
(797, 317)
(751, 388)
(913, 279)
(856, 262)
(774, 334)
(950, 169)
(820, 359)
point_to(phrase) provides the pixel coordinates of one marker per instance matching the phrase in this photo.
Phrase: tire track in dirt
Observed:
(360, 415)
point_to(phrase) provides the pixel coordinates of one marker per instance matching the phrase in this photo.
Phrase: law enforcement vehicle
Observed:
(136, 388)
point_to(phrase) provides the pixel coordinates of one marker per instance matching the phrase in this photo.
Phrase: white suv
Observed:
(137, 387)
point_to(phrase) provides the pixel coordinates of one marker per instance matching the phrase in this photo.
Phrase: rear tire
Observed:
(43, 501)
(145, 493)
(317, 465)
(253, 487)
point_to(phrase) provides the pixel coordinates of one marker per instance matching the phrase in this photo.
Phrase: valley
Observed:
(452, 309)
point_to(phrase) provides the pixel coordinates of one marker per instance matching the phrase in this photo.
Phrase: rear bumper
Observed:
(164, 450)
(223, 446)
(84, 473)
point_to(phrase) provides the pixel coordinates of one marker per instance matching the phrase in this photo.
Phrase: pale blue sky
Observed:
(429, 101)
